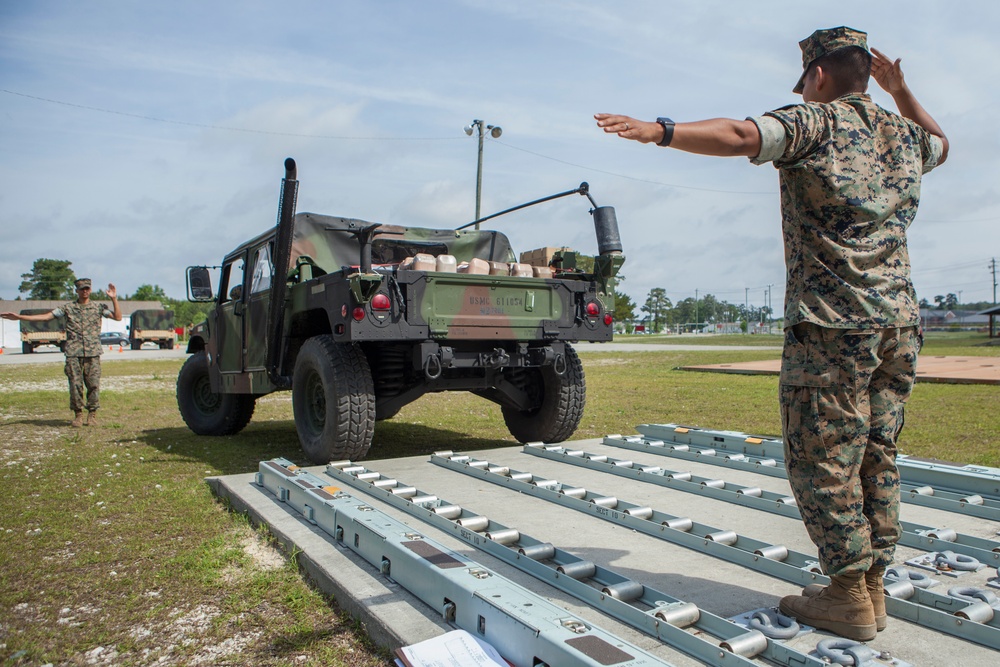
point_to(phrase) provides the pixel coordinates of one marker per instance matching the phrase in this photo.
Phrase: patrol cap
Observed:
(81, 283)
(825, 41)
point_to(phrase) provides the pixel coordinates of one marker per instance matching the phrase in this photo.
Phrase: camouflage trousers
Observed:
(84, 373)
(842, 395)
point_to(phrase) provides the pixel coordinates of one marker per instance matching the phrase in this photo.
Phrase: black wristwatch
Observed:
(668, 131)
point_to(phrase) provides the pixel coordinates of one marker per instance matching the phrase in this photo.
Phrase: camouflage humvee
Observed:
(359, 319)
(152, 326)
(36, 334)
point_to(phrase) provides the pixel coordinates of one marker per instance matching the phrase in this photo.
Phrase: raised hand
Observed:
(887, 72)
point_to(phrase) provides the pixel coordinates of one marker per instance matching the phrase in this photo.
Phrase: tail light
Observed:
(381, 302)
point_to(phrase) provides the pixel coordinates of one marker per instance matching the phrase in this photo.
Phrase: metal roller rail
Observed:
(917, 536)
(524, 627)
(969, 620)
(969, 490)
(650, 611)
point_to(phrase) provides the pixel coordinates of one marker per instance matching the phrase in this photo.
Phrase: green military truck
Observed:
(152, 326)
(36, 334)
(358, 319)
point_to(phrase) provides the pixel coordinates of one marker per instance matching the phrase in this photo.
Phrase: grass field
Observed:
(113, 550)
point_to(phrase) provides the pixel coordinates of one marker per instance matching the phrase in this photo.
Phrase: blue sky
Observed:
(137, 138)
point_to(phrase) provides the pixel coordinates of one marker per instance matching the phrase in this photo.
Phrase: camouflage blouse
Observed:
(83, 327)
(850, 184)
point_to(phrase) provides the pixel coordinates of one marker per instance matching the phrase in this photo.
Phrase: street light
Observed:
(495, 132)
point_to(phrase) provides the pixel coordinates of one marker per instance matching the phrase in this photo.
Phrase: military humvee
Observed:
(36, 334)
(358, 319)
(152, 326)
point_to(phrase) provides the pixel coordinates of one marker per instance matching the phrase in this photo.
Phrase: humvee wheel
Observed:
(561, 397)
(204, 411)
(333, 400)
(27, 348)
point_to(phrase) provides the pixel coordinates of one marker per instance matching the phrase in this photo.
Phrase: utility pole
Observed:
(696, 310)
(993, 267)
(746, 308)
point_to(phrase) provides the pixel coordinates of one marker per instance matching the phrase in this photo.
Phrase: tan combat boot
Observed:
(873, 582)
(844, 608)
(77, 420)
(92, 418)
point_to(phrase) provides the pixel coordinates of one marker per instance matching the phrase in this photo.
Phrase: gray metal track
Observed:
(968, 490)
(644, 608)
(524, 627)
(917, 536)
(932, 610)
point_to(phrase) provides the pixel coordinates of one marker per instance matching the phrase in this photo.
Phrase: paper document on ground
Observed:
(457, 648)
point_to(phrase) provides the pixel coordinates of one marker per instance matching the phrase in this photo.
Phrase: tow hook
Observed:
(559, 365)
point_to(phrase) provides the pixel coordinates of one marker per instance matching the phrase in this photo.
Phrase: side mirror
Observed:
(199, 284)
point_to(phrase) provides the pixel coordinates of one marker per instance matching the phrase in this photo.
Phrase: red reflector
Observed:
(380, 302)
(593, 310)
(608, 319)
(359, 313)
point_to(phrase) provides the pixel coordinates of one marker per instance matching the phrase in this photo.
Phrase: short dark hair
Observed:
(850, 68)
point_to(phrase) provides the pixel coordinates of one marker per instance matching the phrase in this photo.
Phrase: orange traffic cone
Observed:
(120, 348)
(110, 348)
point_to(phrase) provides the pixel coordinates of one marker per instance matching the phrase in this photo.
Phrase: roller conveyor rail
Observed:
(916, 536)
(644, 608)
(971, 620)
(969, 490)
(524, 627)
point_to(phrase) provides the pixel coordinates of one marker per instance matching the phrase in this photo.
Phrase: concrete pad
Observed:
(947, 370)
(393, 617)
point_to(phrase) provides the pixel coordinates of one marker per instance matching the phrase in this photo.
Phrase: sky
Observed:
(138, 138)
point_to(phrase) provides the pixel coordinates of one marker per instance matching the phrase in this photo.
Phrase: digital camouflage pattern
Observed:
(850, 176)
(83, 327)
(84, 375)
(826, 41)
(842, 395)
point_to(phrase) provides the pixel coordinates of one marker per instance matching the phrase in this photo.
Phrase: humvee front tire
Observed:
(27, 348)
(562, 399)
(333, 400)
(204, 411)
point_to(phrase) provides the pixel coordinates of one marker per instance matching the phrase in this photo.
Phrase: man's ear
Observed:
(820, 77)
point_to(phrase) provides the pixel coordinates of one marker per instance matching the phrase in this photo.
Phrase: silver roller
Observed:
(640, 512)
(552, 448)
(448, 511)
(578, 492)
(423, 500)
(625, 591)
(679, 614)
(546, 483)
(922, 491)
(476, 524)
(774, 552)
(522, 477)
(505, 536)
(384, 483)
(623, 464)
(404, 491)
(478, 464)
(682, 524)
(654, 443)
(943, 534)
(766, 463)
(972, 500)
(444, 453)
(368, 475)
(581, 569)
(543, 551)
(599, 459)
(499, 470)
(353, 470)
(787, 500)
(650, 469)
(980, 612)
(682, 476)
(714, 483)
(750, 491)
(736, 457)
(339, 465)
(576, 453)
(679, 448)
(901, 590)
(706, 452)
(608, 501)
(747, 645)
(727, 537)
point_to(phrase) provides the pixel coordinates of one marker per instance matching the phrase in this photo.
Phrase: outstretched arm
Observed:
(889, 76)
(41, 317)
(723, 137)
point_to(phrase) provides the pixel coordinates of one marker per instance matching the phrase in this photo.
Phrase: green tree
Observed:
(49, 279)
(149, 293)
(657, 305)
(624, 308)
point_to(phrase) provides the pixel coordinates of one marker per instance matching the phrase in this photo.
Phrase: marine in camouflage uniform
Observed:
(850, 176)
(83, 347)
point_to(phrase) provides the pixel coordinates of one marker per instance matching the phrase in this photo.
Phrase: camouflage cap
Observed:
(81, 283)
(827, 41)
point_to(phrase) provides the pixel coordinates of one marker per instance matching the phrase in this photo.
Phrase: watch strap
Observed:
(668, 131)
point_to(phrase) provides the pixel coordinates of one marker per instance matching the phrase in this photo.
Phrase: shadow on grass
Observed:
(241, 453)
(45, 422)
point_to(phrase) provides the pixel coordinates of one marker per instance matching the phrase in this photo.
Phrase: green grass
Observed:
(741, 340)
(109, 536)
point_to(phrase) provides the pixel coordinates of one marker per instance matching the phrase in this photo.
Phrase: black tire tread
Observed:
(235, 412)
(563, 402)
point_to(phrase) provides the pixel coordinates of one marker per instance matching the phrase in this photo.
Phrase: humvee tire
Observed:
(333, 400)
(27, 348)
(204, 411)
(562, 402)
(136, 344)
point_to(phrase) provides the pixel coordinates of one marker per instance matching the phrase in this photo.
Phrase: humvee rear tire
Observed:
(204, 411)
(333, 400)
(27, 348)
(136, 344)
(562, 400)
